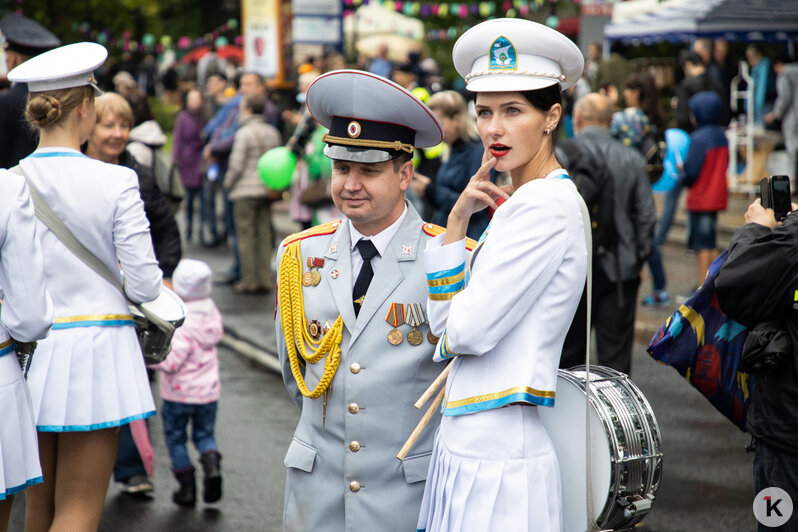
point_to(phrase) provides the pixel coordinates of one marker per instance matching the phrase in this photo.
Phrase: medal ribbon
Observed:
(415, 313)
(394, 317)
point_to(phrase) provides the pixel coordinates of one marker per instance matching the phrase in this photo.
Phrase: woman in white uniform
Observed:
(88, 376)
(503, 313)
(25, 316)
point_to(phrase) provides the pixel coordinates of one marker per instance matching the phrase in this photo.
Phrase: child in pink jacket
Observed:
(190, 386)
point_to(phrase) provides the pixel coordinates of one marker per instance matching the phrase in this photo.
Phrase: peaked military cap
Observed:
(370, 119)
(26, 36)
(62, 68)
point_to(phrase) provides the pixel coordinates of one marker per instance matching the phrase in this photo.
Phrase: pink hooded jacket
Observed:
(191, 370)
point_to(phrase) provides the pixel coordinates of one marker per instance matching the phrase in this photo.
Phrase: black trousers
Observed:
(613, 319)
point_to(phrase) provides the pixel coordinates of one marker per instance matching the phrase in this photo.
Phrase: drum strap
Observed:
(45, 213)
(591, 521)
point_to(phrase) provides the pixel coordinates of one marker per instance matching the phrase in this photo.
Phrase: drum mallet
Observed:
(421, 424)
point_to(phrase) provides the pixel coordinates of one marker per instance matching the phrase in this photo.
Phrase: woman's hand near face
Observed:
(479, 193)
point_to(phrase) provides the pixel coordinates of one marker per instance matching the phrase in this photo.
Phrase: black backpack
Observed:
(595, 183)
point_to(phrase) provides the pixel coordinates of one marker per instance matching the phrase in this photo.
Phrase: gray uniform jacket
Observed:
(635, 214)
(344, 476)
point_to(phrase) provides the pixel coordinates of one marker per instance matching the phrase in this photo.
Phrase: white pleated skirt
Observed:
(19, 447)
(492, 471)
(89, 378)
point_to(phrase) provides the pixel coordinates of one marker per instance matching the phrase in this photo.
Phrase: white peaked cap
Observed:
(509, 54)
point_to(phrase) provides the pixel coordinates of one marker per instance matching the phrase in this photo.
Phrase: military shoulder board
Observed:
(323, 229)
(435, 230)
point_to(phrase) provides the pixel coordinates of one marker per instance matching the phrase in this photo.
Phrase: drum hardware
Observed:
(156, 322)
(626, 447)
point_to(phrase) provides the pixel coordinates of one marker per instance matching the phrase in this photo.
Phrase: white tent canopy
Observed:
(648, 21)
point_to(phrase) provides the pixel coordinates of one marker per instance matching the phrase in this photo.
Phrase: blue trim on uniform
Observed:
(446, 273)
(93, 323)
(447, 288)
(498, 403)
(8, 349)
(48, 154)
(443, 347)
(21, 487)
(562, 176)
(96, 426)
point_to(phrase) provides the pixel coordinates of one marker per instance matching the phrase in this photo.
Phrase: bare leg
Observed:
(84, 466)
(704, 258)
(39, 499)
(5, 512)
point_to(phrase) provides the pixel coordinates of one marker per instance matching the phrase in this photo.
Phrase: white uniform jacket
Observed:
(343, 475)
(89, 373)
(27, 310)
(507, 309)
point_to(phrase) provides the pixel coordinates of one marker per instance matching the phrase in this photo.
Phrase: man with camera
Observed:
(759, 283)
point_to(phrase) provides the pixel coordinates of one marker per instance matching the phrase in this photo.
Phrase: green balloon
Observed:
(276, 167)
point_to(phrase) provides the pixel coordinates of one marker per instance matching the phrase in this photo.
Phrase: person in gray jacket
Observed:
(352, 336)
(251, 199)
(786, 107)
(616, 275)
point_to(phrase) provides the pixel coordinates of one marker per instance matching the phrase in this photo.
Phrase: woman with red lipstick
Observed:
(503, 313)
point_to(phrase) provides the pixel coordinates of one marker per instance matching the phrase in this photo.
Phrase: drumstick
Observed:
(434, 386)
(421, 424)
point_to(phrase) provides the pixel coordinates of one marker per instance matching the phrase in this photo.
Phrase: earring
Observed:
(548, 130)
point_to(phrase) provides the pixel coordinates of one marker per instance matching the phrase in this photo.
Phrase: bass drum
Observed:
(625, 448)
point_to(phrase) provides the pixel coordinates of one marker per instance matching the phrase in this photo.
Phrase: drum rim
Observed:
(652, 461)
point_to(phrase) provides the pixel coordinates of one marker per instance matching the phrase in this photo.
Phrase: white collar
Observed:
(381, 239)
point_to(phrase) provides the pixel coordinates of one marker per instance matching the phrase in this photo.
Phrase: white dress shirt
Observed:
(380, 241)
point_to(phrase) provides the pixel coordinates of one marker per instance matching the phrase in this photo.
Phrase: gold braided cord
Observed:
(558, 77)
(295, 327)
(365, 143)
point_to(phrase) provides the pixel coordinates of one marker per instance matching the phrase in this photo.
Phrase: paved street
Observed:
(706, 483)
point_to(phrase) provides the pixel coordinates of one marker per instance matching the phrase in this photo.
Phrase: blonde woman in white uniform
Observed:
(503, 312)
(88, 376)
(25, 316)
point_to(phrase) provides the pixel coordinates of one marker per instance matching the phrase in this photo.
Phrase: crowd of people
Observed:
(510, 214)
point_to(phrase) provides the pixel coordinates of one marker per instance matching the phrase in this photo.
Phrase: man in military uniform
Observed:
(23, 39)
(355, 291)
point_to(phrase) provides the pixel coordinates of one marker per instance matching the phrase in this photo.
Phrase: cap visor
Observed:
(356, 155)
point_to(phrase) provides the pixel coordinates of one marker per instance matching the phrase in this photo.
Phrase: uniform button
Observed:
(354, 408)
(354, 486)
(354, 446)
(354, 367)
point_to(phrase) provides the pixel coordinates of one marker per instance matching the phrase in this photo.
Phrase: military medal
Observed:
(312, 277)
(415, 317)
(326, 327)
(314, 329)
(431, 338)
(395, 318)
(315, 278)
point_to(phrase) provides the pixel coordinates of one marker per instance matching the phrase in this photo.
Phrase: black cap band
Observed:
(365, 131)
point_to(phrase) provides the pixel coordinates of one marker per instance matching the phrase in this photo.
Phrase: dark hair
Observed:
(140, 106)
(644, 84)
(401, 159)
(255, 103)
(543, 100)
(693, 58)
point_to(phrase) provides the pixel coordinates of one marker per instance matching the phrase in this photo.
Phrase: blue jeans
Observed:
(175, 422)
(774, 468)
(665, 221)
